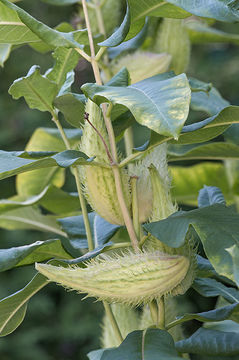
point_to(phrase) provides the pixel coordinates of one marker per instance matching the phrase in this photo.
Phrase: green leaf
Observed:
(5, 50)
(38, 91)
(211, 151)
(211, 103)
(215, 9)
(29, 218)
(187, 181)
(101, 230)
(201, 33)
(234, 252)
(72, 107)
(161, 102)
(60, 202)
(13, 307)
(151, 344)
(120, 34)
(15, 202)
(210, 342)
(45, 139)
(122, 78)
(13, 164)
(65, 61)
(210, 288)
(210, 195)
(45, 33)
(29, 254)
(202, 131)
(12, 30)
(216, 225)
(60, 2)
(220, 314)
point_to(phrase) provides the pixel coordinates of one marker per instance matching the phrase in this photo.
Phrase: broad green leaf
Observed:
(60, 2)
(210, 288)
(16, 202)
(234, 252)
(202, 131)
(29, 218)
(13, 307)
(101, 230)
(5, 50)
(206, 270)
(160, 103)
(65, 61)
(211, 151)
(215, 9)
(72, 107)
(210, 342)
(60, 202)
(151, 344)
(216, 225)
(11, 164)
(210, 195)
(28, 254)
(211, 103)
(12, 30)
(45, 139)
(120, 34)
(220, 314)
(121, 78)
(200, 32)
(187, 181)
(38, 91)
(39, 30)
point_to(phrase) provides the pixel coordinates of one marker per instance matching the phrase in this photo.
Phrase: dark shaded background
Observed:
(58, 325)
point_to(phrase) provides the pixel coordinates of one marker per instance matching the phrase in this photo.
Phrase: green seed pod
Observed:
(127, 319)
(174, 40)
(98, 182)
(147, 202)
(131, 278)
(141, 64)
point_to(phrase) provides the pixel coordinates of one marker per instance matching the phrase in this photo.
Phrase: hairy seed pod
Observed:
(141, 64)
(150, 200)
(174, 40)
(131, 279)
(98, 182)
(127, 319)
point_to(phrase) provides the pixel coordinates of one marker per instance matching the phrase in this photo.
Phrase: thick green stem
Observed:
(154, 312)
(84, 210)
(161, 314)
(113, 322)
(78, 185)
(135, 207)
(106, 112)
(128, 141)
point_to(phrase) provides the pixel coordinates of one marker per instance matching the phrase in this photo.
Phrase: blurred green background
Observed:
(58, 324)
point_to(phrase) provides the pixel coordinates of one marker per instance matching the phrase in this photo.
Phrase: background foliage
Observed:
(66, 330)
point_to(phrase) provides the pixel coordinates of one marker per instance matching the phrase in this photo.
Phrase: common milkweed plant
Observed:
(124, 239)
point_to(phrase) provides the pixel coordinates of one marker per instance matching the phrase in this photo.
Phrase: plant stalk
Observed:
(108, 124)
(161, 313)
(113, 322)
(78, 185)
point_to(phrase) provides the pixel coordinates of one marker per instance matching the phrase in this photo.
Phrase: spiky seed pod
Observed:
(98, 182)
(162, 203)
(174, 40)
(127, 319)
(146, 200)
(141, 64)
(131, 279)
